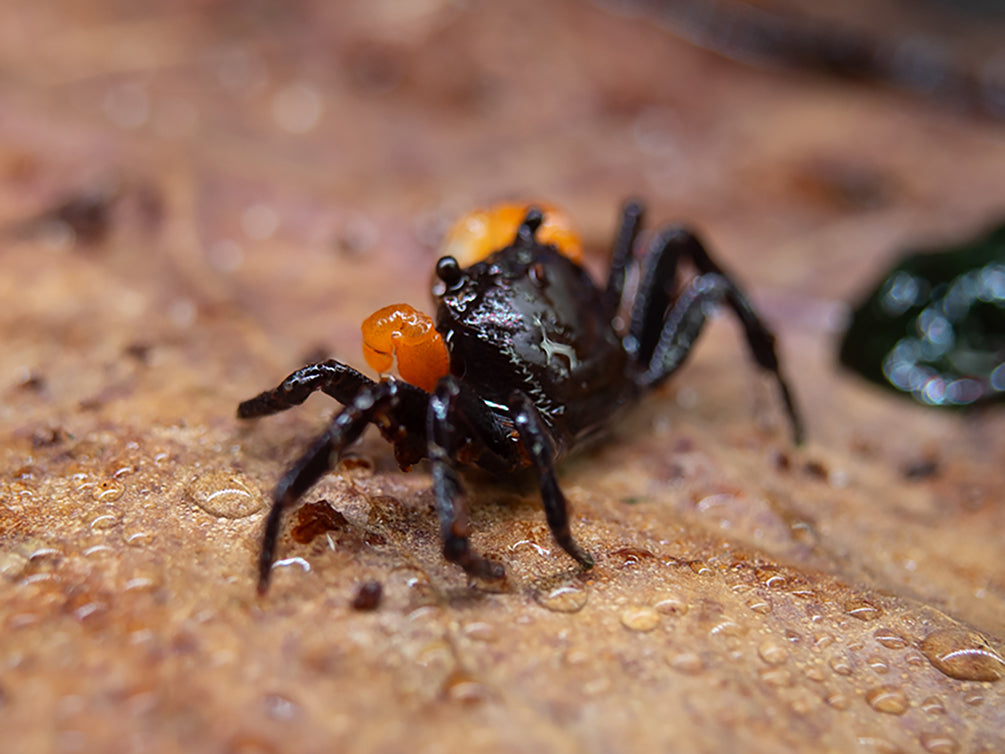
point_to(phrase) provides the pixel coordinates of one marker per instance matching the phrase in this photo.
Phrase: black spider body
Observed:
(536, 365)
(527, 319)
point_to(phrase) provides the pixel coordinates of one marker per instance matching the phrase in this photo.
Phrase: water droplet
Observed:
(878, 665)
(298, 107)
(139, 584)
(436, 654)
(544, 552)
(564, 595)
(815, 673)
(771, 578)
(86, 610)
(597, 686)
(640, 618)
(933, 706)
(671, 606)
(838, 700)
(280, 708)
(259, 221)
(889, 700)
(480, 631)
(108, 490)
(19, 494)
(632, 556)
(39, 578)
(462, 688)
(963, 654)
(939, 743)
(700, 567)
(45, 553)
(121, 470)
(688, 663)
(822, 641)
(890, 639)
(840, 665)
(104, 521)
(863, 610)
(915, 659)
(138, 538)
(773, 652)
(804, 704)
(776, 677)
(289, 562)
(22, 620)
(225, 495)
(974, 699)
(803, 593)
(760, 605)
(727, 627)
(12, 564)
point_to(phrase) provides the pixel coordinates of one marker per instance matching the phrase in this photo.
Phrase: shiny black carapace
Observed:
(525, 360)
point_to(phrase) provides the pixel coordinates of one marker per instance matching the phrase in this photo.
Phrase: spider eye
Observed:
(449, 271)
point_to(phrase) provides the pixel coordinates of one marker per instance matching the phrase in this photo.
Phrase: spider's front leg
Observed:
(460, 423)
(338, 380)
(391, 404)
(661, 333)
(537, 443)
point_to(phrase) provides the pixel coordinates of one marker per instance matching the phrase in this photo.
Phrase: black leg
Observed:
(336, 379)
(672, 333)
(683, 324)
(373, 402)
(459, 423)
(536, 442)
(631, 220)
(656, 288)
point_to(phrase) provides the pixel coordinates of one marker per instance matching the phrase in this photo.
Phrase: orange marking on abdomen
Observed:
(401, 332)
(483, 231)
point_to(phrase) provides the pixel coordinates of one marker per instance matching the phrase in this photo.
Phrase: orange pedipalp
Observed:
(401, 332)
(483, 231)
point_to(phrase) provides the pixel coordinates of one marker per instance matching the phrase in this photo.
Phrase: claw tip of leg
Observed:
(263, 585)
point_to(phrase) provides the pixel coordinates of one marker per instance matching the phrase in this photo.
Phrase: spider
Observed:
(525, 361)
